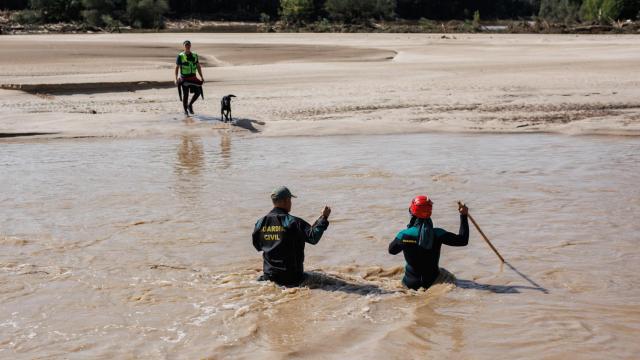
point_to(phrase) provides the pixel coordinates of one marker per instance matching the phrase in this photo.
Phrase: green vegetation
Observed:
(322, 15)
(109, 13)
(146, 13)
(601, 11)
(560, 10)
(296, 11)
(101, 12)
(350, 11)
(55, 10)
(476, 20)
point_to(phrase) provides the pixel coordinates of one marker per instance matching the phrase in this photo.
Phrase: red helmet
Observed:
(421, 207)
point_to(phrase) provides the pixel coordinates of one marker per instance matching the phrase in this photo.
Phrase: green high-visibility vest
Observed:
(188, 67)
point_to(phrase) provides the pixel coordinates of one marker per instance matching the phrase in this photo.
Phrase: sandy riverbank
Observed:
(315, 84)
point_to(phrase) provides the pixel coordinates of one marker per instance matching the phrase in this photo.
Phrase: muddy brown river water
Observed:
(140, 248)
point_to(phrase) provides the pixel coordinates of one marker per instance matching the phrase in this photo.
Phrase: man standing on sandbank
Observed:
(281, 237)
(186, 66)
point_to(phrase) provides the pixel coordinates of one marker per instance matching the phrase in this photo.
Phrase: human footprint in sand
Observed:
(187, 64)
(281, 237)
(421, 242)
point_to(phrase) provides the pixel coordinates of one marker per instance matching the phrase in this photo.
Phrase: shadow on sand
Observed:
(88, 87)
(248, 124)
(20, 134)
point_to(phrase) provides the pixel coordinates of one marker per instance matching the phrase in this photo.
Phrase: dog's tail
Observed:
(231, 95)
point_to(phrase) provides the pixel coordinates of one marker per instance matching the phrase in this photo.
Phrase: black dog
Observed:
(225, 108)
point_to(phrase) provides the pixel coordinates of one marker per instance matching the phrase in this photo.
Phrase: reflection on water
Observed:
(190, 155)
(192, 161)
(142, 246)
(188, 168)
(225, 150)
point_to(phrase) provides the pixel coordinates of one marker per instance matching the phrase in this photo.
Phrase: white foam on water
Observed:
(179, 335)
(207, 313)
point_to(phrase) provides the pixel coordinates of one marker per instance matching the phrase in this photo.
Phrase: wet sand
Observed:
(318, 84)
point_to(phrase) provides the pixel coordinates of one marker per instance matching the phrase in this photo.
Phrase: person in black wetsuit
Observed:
(421, 242)
(281, 237)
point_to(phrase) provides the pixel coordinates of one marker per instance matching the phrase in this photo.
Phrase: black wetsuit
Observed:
(282, 237)
(422, 265)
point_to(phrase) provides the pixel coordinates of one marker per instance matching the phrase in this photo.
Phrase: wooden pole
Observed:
(460, 204)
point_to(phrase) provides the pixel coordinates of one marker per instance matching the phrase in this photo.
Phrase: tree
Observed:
(14, 4)
(296, 11)
(56, 10)
(357, 10)
(102, 12)
(560, 10)
(630, 9)
(601, 10)
(146, 13)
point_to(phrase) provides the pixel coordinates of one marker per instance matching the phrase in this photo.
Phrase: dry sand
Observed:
(315, 84)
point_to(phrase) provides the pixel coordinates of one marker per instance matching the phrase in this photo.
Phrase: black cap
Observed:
(280, 193)
(186, 42)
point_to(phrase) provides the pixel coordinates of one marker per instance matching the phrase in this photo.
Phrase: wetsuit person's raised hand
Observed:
(464, 210)
(326, 212)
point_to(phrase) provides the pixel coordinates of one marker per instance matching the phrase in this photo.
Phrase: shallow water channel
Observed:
(141, 247)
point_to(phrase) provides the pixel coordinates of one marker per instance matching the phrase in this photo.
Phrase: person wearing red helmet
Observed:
(420, 243)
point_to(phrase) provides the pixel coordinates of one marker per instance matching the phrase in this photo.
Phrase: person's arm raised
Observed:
(314, 233)
(462, 238)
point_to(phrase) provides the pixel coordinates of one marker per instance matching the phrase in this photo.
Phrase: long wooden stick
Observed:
(460, 204)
